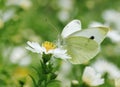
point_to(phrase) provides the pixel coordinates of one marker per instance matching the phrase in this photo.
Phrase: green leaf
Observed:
(54, 83)
(34, 82)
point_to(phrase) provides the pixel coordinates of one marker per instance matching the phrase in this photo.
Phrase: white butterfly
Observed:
(82, 45)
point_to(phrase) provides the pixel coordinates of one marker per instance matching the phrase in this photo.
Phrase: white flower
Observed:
(65, 4)
(103, 66)
(65, 8)
(48, 48)
(91, 77)
(63, 15)
(6, 16)
(114, 36)
(19, 56)
(25, 4)
(112, 17)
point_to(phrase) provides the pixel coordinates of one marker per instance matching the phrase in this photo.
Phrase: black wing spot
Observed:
(92, 37)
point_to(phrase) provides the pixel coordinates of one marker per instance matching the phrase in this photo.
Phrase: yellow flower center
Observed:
(48, 45)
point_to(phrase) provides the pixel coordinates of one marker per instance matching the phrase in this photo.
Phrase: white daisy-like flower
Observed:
(103, 66)
(25, 4)
(91, 77)
(6, 16)
(63, 15)
(65, 8)
(47, 48)
(65, 4)
(114, 35)
(19, 56)
(112, 17)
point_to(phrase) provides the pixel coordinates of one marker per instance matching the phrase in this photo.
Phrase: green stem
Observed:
(84, 85)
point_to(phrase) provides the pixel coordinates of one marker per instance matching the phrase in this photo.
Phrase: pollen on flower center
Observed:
(48, 45)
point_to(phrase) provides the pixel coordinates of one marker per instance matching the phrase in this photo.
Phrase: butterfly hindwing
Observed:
(81, 49)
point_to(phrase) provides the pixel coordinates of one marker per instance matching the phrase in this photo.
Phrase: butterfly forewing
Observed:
(98, 33)
(81, 49)
(68, 29)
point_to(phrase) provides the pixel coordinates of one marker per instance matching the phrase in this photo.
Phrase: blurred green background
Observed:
(37, 20)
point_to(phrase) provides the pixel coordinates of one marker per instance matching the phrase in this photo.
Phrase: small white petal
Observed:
(31, 49)
(91, 77)
(60, 53)
(34, 47)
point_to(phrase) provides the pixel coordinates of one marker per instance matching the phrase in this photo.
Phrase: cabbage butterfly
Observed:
(82, 45)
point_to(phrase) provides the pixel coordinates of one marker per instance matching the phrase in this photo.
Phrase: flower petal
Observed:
(34, 47)
(60, 53)
(91, 77)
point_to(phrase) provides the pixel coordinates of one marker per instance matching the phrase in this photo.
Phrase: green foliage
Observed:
(45, 73)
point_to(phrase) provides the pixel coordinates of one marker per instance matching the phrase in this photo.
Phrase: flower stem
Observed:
(45, 72)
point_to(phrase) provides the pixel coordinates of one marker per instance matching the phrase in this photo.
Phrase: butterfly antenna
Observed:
(54, 27)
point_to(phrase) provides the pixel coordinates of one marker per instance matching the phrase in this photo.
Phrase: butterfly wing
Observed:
(81, 49)
(82, 45)
(98, 33)
(70, 28)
